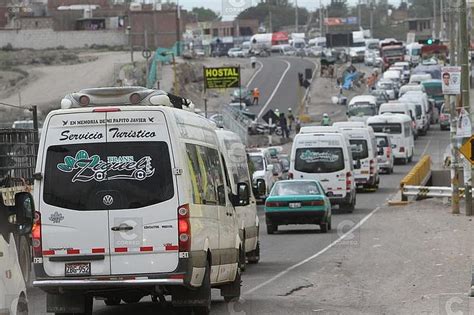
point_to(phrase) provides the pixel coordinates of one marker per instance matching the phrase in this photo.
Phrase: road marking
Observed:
(275, 90)
(287, 270)
(426, 147)
(255, 74)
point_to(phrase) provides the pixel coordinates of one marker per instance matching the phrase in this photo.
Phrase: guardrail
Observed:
(236, 122)
(418, 176)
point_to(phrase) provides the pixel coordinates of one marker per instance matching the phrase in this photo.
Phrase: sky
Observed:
(216, 5)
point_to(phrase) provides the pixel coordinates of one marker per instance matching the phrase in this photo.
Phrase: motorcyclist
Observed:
(326, 120)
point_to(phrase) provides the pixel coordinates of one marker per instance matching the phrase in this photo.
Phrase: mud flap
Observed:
(56, 303)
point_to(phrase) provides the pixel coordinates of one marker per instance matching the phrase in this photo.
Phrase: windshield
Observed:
(359, 149)
(135, 174)
(416, 52)
(361, 44)
(382, 141)
(390, 128)
(393, 52)
(319, 160)
(386, 85)
(362, 110)
(257, 162)
(240, 93)
(295, 188)
(374, 46)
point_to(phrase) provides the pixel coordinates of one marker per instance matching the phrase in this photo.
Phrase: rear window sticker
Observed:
(313, 157)
(87, 168)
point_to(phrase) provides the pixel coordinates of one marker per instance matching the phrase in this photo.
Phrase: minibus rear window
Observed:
(108, 176)
(359, 149)
(393, 128)
(319, 160)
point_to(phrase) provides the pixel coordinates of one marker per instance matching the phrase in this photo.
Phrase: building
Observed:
(234, 28)
(422, 27)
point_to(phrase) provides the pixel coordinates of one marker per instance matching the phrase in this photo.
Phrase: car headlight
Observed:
(353, 54)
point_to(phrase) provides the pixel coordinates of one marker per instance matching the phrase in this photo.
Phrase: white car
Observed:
(236, 53)
(389, 87)
(262, 176)
(133, 201)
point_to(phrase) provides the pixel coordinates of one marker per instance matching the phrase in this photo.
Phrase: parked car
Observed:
(385, 157)
(236, 52)
(297, 202)
(445, 118)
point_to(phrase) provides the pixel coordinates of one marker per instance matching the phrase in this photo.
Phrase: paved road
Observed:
(292, 259)
(278, 83)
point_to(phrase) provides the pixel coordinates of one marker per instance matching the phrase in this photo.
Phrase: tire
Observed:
(351, 206)
(410, 159)
(390, 171)
(254, 256)
(24, 258)
(205, 292)
(113, 301)
(22, 308)
(324, 227)
(242, 257)
(132, 299)
(404, 161)
(271, 228)
(330, 224)
(231, 291)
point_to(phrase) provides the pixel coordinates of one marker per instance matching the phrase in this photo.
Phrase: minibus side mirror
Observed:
(23, 213)
(221, 194)
(243, 194)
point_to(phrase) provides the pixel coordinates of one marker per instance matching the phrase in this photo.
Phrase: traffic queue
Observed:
(340, 159)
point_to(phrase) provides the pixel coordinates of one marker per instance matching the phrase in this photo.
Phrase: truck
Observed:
(391, 52)
(261, 44)
(17, 163)
(357, 49)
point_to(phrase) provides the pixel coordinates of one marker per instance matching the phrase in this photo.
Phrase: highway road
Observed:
(293, 260)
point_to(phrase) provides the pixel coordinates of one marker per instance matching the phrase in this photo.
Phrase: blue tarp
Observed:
(346, 85)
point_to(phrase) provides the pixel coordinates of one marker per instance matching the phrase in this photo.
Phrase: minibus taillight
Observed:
(36, 236)
(402, 149)
(348, 181)
(184, 228)
(290, 175)
(389, 151)
(372, 168)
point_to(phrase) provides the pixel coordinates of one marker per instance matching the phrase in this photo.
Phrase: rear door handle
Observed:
(122, 228)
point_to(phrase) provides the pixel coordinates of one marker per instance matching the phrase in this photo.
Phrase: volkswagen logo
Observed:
(108, 200)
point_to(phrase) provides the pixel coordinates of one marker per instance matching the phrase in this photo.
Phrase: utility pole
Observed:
(442, 24)
(296, 17)
(178, 30)
(320, 18)
(464, 53)
(435, 24)
(372, 18)
(452, 107)
(270, 23)
(145, 34)
(359, 14)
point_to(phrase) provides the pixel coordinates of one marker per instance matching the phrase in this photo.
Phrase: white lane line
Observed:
(255, 74)
(287, 270)
(426, 147)
(275, 90)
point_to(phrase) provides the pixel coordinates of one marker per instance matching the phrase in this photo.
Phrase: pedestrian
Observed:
(291, 119)
(253, 61)
(297, 125)
(277, 114)
(256, 96)
(283, 126)
(326, 120)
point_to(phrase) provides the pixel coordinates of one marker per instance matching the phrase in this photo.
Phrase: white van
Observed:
(421, 115)
(410, 87)
(237, 171)
(262, 172)
(323, 153)
(133, 201)
(364, 151)
(420, 77)
(397, 107)
(422, 97)
(398, 127)
(361, 107)
(413, 53)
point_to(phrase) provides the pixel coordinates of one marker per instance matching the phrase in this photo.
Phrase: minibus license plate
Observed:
(78, 269)
(294, 205)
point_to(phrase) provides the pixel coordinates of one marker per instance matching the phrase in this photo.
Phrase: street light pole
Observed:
(178, 30)
(359, 14)
(296, 17)
(464, 54)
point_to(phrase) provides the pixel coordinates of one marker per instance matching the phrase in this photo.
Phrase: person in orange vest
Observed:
(255, 95)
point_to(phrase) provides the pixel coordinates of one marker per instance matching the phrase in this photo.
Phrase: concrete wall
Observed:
(47, 38)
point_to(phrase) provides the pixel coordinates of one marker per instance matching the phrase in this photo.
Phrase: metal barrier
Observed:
(428, 191)
(419, 175)
(236, 122)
